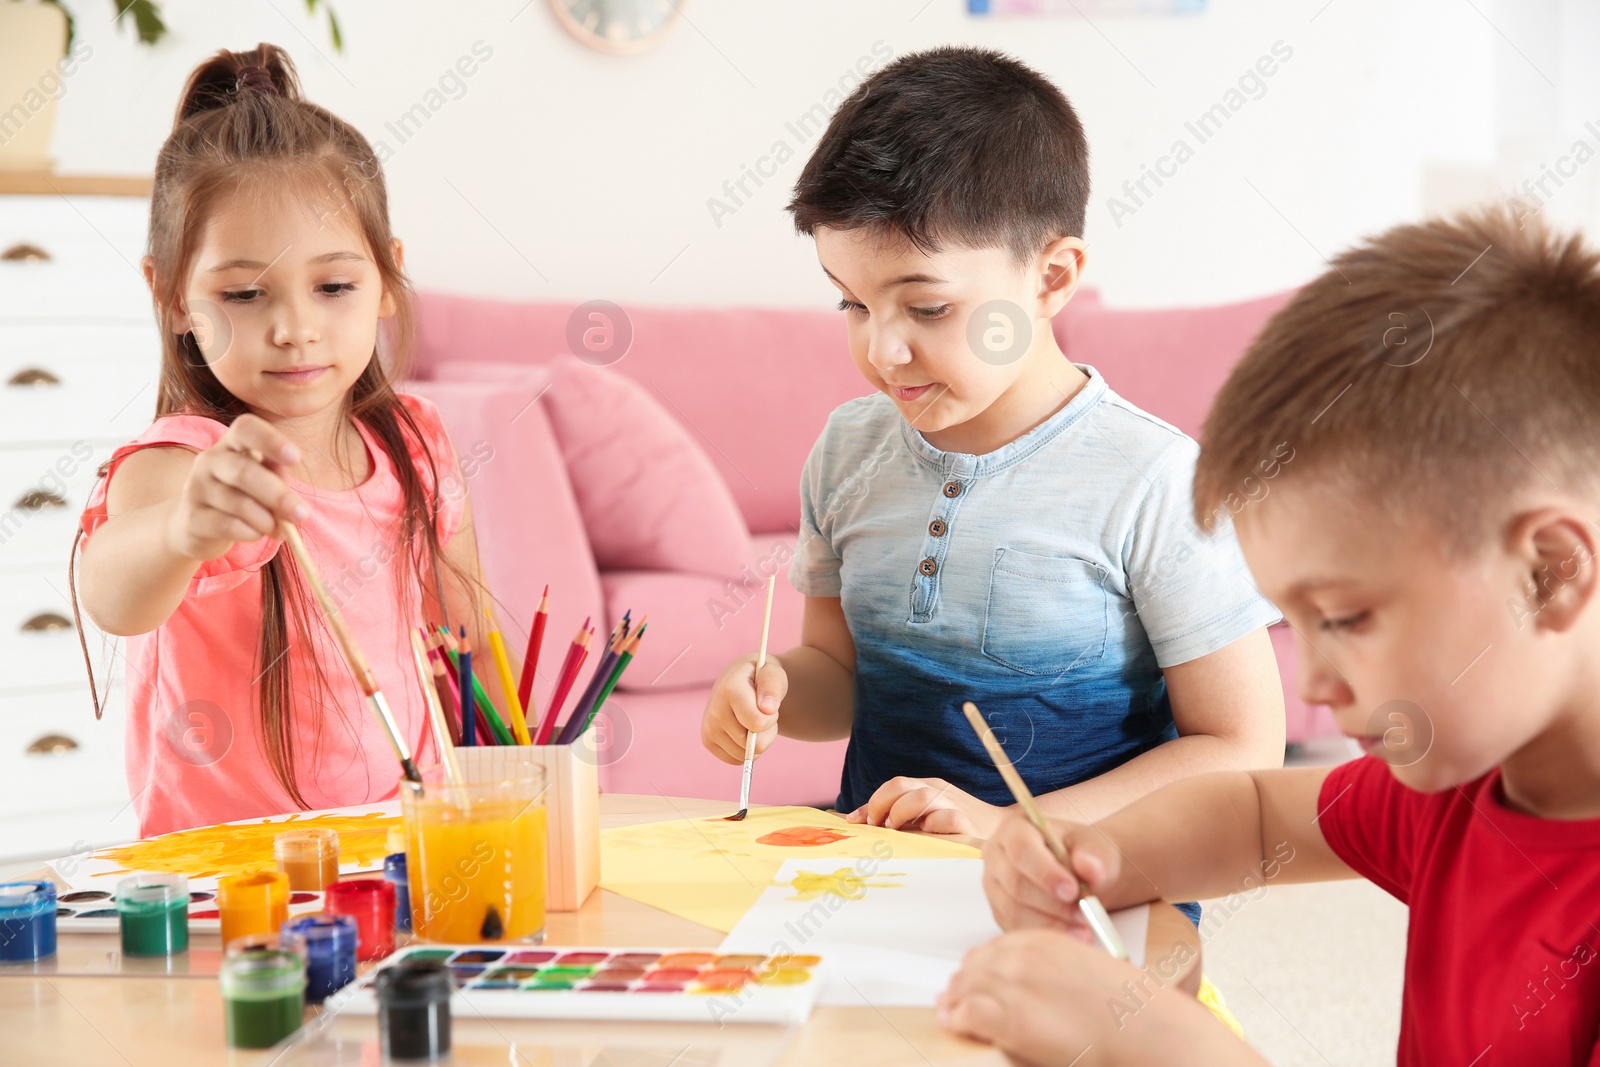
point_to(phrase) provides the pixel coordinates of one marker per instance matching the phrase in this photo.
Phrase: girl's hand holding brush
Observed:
(234, 492)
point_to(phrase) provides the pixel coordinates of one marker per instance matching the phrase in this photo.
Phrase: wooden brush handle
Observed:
(341, 633)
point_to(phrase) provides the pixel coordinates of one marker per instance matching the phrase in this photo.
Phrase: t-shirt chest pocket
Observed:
(1046, 615)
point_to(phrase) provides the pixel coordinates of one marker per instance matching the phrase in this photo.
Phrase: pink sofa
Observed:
(753, 388)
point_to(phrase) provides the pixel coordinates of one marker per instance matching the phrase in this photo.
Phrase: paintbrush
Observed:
(430, 697)
(1094, 912)
(750, 737)
(347, 643)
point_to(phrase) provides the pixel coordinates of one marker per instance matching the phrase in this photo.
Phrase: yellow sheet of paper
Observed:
(711, 871)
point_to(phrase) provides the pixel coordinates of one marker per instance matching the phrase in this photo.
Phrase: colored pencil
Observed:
(494, 730)
(576, 654)
(606, 672)
(602, 670)
(497, 649)
(347, 644)
(442, 654)
(1089, 904)
(447, 696)
(530, 660)
(628, 653)
(430, 698)
(469, 728)
(750, 735)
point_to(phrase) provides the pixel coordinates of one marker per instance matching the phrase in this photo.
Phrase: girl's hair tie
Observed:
(256, 78)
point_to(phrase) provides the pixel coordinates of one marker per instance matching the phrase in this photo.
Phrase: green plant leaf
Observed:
(334, 32)
(146, 19)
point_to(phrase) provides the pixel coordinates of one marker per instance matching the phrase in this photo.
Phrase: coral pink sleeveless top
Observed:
(195, 753)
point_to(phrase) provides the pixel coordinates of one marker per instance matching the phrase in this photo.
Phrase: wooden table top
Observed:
(62, 1012)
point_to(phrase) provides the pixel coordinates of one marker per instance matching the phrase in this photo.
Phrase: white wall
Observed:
(561, 173)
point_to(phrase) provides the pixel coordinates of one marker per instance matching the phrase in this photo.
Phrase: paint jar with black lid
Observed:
(414, 1010)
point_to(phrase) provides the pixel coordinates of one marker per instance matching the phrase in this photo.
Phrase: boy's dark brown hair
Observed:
(1434, 370)
(951, 146)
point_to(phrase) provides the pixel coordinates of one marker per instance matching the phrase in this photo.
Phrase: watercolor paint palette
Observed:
(94, 911)
(619, 984)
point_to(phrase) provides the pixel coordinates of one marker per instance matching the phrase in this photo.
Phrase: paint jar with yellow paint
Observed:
(256, 902)
(476, 850)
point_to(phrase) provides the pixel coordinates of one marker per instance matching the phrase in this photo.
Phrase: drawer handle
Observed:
(52, 745)
(46, 622)
(25, 253)
(33, 376)
(38, 500)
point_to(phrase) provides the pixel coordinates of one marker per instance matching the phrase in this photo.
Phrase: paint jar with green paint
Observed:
(153, 909)
(263, 996)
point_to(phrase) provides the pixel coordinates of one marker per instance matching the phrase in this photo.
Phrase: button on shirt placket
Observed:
(936, 538)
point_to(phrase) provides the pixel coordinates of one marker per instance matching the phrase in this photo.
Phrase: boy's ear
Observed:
(1060, 269)
(1558, 549)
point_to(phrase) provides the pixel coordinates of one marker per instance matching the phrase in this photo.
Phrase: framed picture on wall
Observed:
(1085, 8)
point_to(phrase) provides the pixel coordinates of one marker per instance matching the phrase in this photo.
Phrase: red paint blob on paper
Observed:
(802, 836)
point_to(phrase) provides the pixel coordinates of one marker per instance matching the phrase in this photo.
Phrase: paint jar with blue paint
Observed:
(328, 943)
(27, 921)
(394, 871)
(153, 913)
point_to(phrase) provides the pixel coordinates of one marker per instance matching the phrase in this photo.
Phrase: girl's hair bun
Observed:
(228, 77)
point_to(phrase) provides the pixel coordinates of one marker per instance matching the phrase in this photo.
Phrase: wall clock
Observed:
(619, 26)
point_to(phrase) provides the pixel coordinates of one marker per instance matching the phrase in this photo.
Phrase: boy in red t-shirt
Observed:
(1433, 543)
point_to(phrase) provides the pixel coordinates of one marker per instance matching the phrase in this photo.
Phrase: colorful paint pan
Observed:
(93, 911)
(617, 984)
(84, 896)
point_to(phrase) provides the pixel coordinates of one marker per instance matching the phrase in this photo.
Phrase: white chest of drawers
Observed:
(79, 357)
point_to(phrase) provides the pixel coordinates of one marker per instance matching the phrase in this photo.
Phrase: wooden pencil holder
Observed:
(572, 813)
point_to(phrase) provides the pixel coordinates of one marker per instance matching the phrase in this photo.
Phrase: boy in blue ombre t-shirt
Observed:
(995, 523)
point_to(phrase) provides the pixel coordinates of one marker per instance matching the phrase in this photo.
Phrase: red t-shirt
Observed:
(1503, 948)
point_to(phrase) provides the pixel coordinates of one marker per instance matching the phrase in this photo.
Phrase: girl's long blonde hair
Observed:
(242, 123)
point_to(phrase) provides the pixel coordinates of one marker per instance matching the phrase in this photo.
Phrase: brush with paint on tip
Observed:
(750, 738)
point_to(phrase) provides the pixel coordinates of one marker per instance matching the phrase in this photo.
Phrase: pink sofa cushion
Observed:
(752, 385)
(705, 622)
(650, 498)
(528, 526)
(1168, 361)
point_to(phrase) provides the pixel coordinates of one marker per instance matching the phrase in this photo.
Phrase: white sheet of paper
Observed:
(894, 940)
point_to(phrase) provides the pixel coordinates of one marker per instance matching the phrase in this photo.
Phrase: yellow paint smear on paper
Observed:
(233, 848)
(710, 871)
(844, 882)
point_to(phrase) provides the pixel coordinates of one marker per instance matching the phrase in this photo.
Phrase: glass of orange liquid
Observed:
(475, 851)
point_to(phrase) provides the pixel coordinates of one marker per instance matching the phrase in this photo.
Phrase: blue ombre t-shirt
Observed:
(1049, 582)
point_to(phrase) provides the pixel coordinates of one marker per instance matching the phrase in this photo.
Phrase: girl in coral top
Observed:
(276, 282)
